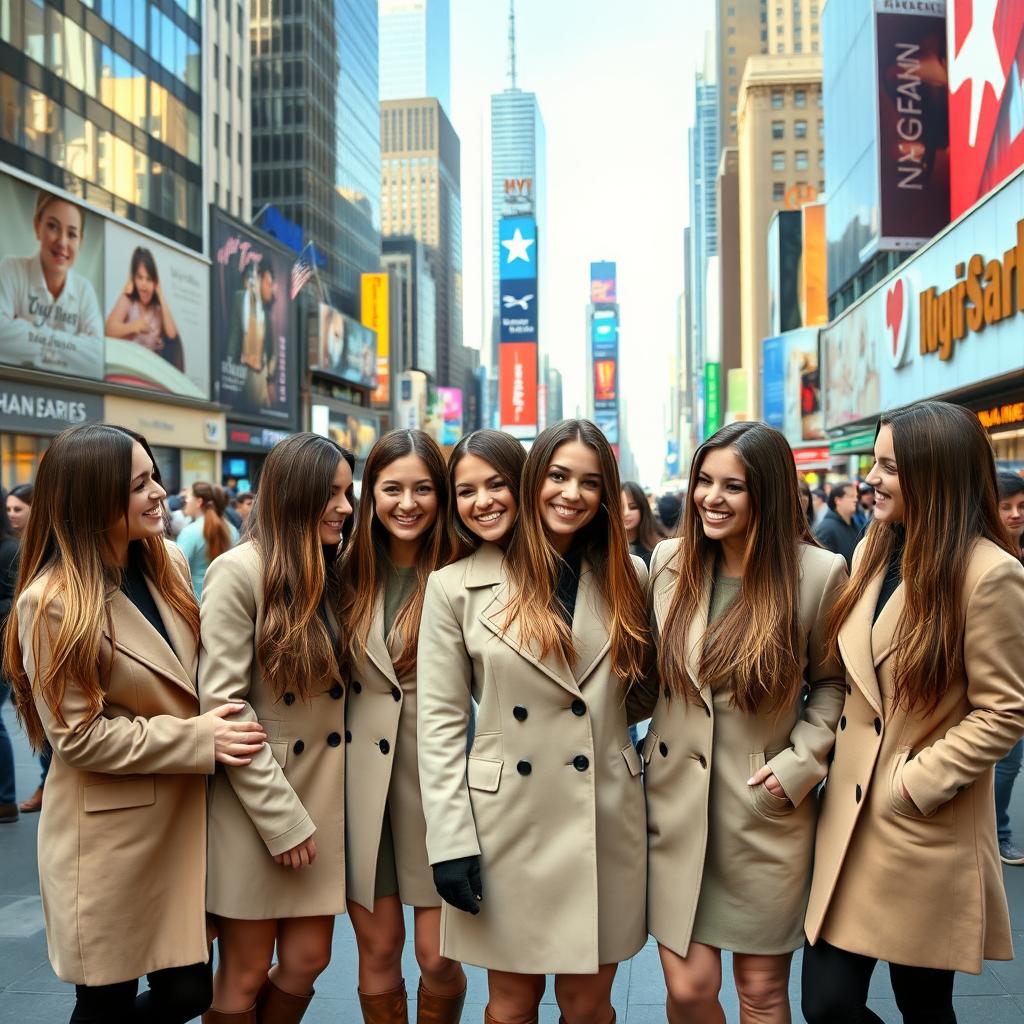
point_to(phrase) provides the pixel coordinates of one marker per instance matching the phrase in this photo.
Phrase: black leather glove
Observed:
(458, 883)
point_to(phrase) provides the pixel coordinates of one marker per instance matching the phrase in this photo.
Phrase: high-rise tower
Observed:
(415, 50)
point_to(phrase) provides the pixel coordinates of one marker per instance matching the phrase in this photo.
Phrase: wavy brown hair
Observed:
(81, 490)
(214, 502)
(533, 564)
(947, 477)
(505, 455)
(294, 648)
(647, 532)
(754, 648)
(367, 563)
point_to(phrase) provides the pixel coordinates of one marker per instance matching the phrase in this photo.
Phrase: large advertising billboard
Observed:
(518, 310)
(517, 359)
(517, 374)
(375, 313)
(518, 248)
(985, 41)
(913, 122)
(603, 283)
(255, 350)
(345, 348)
(604, 333)
(85, 295)
(785, 243)
(451, 415)
(791, 386)
(814, 267)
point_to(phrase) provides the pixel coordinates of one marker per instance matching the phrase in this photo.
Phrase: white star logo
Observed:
(518, 247)
(978, 60)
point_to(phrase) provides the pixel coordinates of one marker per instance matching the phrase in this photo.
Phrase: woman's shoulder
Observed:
(479, 568)
(665, 553)
(989, 560)
(816, 559)
(32, 597)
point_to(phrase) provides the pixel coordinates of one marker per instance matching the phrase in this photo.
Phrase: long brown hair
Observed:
(294, 648)
(647, 532)
(950, 500)
(533, 564)
(81, 490)
(505, 455)
(367, 563)
(754, 648)
(214, 502)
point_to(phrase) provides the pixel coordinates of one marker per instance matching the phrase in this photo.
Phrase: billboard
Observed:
(517, 373)
(814, 267)
(784, 259)
(451, 415)
(604, 333)
(255, 349)
(345, 348)
(790, 385)
(985, 42)
(603, 283)
(605, 380)
(375, 313)
(517, 260)
(712, 398)
(85, 295)
(913, 122)
(518, 310)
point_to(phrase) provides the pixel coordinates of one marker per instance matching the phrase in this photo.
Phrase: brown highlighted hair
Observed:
(294, 648)
(532, 563)
(505, 455)
(947, 477)
(214, 502)
(754, 648)
(647, 532)
(81, 490)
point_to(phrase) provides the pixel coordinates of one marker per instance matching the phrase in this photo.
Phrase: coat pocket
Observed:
(632, 759)
(119, 794)
(483, 773)
(897, 801)
(766, 803)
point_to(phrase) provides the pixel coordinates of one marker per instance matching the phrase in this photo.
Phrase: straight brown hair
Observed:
(947, 477)
(216, 534)
(754, 648)
(647, 532)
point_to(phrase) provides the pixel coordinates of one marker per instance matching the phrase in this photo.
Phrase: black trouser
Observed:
(834, 989)
(176, 995)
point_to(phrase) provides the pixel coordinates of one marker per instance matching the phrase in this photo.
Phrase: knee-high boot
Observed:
(488, 1019)
(219, 1017)
(385, 1007)
(275, 1006)
(435, 1009)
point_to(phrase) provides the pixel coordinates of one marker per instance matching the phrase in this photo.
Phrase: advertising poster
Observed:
(602, 283)
(375, 313)
(346, 349)
(410, 400)
(604, 334)
(451, 414)
(913, 122)
(784, 256)
(712, 398)
(254, 339)
(607, 421)
(357, 433)
(517, 259)
(814, 267)
(517, 374)
(849, 352)
(790, 385)
(605, 382)
(519, 310)
(773, 382)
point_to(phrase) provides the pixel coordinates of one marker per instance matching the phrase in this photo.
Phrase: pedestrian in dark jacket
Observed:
(837, 531)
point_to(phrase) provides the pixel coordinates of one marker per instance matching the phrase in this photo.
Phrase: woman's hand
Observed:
(235, 743)
(771, 783)
(130, 286)
(300, 856)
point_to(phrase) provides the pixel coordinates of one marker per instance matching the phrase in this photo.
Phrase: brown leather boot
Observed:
(386, 1007)
(488, 1019)
(217, 1017)
(275, 1006)
(561, 1019)
(435, 1009)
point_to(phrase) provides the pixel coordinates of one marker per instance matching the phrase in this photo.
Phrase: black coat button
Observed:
(578, 708)
(289, 699)
(385, 747)
(519, 713)
(524, 767)
(663, 747)
(396, 694)
(348, 736)
(357, 687)
(702, 761)
(858, 793)
(878, 726)
(299, 747)
(336, 691)
(842, 722)
(334, 740)
(580, 762)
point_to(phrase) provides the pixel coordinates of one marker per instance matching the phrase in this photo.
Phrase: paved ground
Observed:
(30, 993)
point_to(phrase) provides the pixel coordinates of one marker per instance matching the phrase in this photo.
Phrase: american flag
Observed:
(302, 271)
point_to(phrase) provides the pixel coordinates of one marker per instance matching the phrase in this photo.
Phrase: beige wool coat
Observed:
(122, 833)
(383, 771)
(920, 882)
(696, 783)
(293, 788)
(550, 795)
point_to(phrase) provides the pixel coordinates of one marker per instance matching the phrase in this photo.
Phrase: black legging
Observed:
(176, 995)
(834, 989)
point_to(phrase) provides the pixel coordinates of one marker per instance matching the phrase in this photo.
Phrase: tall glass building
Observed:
(102, 98)
(415, 50)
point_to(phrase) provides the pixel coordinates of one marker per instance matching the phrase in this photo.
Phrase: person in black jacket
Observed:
(8, 572)
(837, 531)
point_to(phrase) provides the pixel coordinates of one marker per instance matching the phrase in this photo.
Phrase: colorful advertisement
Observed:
(913, 122)
(985, 41)
(605, 380)
(602, 283)
(255, 349)
(375, 313)
(451, 415)
(814, 267)
(607, 421)
(346, 349)
(517, 373)
(356, 432)
(790, 385)
(849, 352)
(712, 398)
(604, 334)
(518, 310)
(784, 255)
(86, 296)
(517, 259)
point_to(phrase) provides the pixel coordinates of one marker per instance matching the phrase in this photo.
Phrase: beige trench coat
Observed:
(920, 883)
(696, 786)
(122, 834)
(550, 796)
(382, 769)
(293, 788)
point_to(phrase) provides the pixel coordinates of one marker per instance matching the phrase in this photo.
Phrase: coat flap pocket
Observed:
(650, 742)
(279, 748)
(483, 773)
(632, 759)
(119, 793)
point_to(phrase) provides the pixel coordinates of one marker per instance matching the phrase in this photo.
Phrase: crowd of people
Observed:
(424, 698)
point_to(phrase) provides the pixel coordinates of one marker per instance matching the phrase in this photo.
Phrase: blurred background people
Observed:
(866, 505)
(837, 531)
(641, 526)
(19, 505)
(209, 534)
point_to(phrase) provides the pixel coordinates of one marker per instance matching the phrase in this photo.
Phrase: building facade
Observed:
(415, 50)
(414, 316)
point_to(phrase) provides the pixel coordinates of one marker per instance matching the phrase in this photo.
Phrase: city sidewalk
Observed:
(30, 993)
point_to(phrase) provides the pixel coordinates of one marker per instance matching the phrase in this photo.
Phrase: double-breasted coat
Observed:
(294, 786)
(122, 834)
(383, 772)
(919, 882)
(550, 795)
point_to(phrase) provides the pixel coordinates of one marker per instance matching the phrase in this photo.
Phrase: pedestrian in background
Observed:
(820, 505)
(641, 527)
(743, 722)
(242, 506)
(669, 507)
(837, 531)
(400, 538)
(806, 501)
(865, 505)
(906, 866)
(209, 534)
(8, 574)
(103, 664)
(19, 507)
(271, 641)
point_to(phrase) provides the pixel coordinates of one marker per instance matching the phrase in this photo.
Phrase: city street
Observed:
(30, 993)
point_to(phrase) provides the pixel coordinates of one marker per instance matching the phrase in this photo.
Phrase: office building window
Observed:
(778, 129)
(778, 191)
(216, 60)
(216, 131)
(800, 129)
(821, 156)
(798, 48)
(781, 48)
(799, 97)
(778, 161)
(817, 99)
(821, 126)
(800, 160)
(778, 97)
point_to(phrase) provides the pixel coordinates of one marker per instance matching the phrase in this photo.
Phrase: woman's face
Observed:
(193, 506)
(18, 512)
(145, 497)
(405, 499)
(483, 499)
(338, 508)
(885, 479)
(630, 512)
(570, 495)
(721, 496)
(145, 286)
(59, 230)
(1011, 511)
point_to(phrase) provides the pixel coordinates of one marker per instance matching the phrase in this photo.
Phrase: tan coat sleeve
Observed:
(802, 765)
(444, 676)
(994, 665)
(163, 744)
(226, 664)
(643, 694)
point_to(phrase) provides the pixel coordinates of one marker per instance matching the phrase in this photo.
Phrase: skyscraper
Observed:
(415, 50)
(228, 82)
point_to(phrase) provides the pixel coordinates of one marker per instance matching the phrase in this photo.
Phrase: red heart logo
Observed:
(894, 311)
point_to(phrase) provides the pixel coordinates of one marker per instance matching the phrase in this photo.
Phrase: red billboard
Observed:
(986, 54)
(517, 375)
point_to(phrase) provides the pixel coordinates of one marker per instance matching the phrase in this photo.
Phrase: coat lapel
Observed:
(883, 632)
(695, 642)
(589, 626)
(856, 642)
(376, 644)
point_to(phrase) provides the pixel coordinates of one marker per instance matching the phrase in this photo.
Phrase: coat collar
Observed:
(484, 568)
(859, 639)
(376, 643)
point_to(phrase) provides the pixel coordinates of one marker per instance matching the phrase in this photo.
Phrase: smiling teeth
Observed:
(565, 511)
(489, 518)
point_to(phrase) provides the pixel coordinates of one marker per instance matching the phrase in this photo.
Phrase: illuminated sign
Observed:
(712, 398)
(605, 389)
(518, 310)
(602, 283)
(517, 376)
(1002, 415)
(375, 315)
(517, 259)
(797, 195)
(519, 187)
(604, 334)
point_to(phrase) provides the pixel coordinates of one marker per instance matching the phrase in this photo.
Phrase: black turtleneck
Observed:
(569, 567)
(893, 572)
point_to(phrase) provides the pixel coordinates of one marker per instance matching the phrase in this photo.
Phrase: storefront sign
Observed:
(243, 437)
(803, 456)
(27, 409)
(169, 425)
(1008, 415)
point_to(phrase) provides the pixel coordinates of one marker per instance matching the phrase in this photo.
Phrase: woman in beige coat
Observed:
(270, 639)
(400, 539)
(536, 839)
(906, 865)
(108, 677)
(742, 728)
